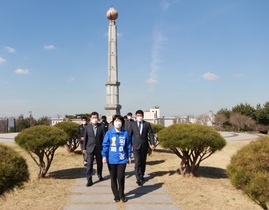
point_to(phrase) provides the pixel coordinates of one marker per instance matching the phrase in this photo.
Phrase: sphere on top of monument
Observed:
(112, 14)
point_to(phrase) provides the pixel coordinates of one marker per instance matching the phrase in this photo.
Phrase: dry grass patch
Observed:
(46, 193)
(211, 189)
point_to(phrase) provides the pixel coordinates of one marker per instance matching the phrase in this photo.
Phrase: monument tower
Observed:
(112, 86)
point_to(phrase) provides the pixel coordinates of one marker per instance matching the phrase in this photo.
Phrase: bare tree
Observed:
(240, 121)
(203, 119)
(220, 119)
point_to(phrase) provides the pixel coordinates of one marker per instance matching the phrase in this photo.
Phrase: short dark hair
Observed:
(103, 117)
(84, 118)
(139, 112)
(120, 118)
(95, 113)
(129, 113)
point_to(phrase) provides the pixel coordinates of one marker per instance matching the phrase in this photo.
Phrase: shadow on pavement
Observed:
(141, 191)
(155, 162)
(163, 151)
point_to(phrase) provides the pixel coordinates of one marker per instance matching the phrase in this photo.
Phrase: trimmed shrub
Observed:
(71, 130)
(249, 171)
(156, 127)
(192, 143)
(13, 169)
(42, 141)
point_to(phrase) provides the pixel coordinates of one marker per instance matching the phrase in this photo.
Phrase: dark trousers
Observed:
(117, 174)
(90, 157)
(81, 147)
(140, 157)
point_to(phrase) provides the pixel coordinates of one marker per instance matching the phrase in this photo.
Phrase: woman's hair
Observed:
(120, 118)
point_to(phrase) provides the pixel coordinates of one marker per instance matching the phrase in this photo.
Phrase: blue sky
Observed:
(186, 56)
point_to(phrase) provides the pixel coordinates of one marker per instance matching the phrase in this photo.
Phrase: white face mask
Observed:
(139, 119)
(129, 117)
(117, 124)
(83, 122)
(94, 121)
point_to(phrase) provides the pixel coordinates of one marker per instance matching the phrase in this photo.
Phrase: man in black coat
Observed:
(143, 139)
(104, 122)
(92, 146)
(81, 133)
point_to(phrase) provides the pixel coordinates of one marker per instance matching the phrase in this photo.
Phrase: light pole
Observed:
(30, 117)
(211, 117)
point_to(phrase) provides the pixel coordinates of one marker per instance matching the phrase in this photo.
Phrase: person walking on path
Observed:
(117, 153)
(81, 133)
(128, 121)
(92, 146)
(104, 122)
(143, 138)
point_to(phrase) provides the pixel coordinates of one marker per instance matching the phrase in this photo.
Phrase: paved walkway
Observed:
(231, 136)
(99, 196)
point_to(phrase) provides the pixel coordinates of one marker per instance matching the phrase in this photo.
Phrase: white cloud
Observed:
(71, 79)
(210, 76)
(2, 60)
(151, 81)
(49, 47)
(159, 41)
(166, 4)
(10, 50)
(22, 71)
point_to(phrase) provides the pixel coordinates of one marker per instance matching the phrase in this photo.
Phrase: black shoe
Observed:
(139, 182)
(89, 183)
(101, 178)
(123, 199)
(116, 200)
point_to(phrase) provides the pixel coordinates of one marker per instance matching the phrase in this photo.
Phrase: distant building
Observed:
(55, 120)
(153, 115)
(186, 119)
(76, 120)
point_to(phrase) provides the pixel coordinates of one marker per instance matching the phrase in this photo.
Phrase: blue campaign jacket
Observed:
(116, 146)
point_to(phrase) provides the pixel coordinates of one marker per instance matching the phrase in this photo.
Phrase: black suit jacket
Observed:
(91, 140)
(143, 140)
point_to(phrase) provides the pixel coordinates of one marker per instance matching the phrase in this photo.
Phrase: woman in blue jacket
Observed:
(116, 153)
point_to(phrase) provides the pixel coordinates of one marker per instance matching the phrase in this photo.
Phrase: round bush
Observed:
(43, 141)
(13, 169)
(192, 143)
(249, 170)
(70, 128)
(156, 127)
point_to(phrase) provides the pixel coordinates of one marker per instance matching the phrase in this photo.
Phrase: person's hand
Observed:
(84, 151)
(129, 160)
(152, 147)
(104, 159)
(82, 139)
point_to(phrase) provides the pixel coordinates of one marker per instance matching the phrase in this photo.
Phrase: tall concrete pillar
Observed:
(112, 86)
